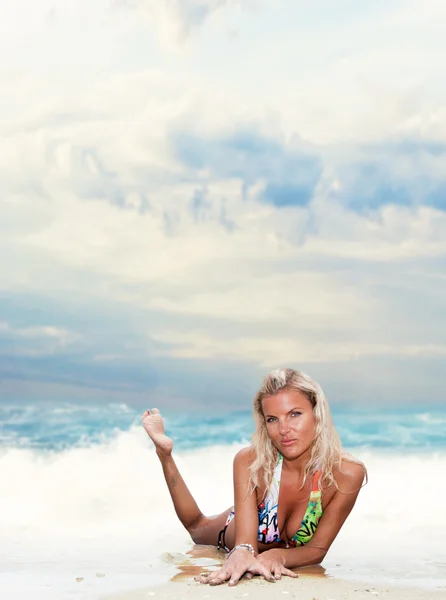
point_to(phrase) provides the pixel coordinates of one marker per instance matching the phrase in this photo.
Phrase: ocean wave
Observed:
(107, 504)
(118, 487)
(430, 419)
(68, 425)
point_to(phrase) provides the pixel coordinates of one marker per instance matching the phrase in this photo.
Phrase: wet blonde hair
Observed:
(327, 453)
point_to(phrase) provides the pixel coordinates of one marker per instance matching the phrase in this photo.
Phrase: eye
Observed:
(270, 419)
(295, 413)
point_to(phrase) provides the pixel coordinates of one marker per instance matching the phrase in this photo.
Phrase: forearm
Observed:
(246, 531)
(301, 556)
(185, 506)
(245, 503)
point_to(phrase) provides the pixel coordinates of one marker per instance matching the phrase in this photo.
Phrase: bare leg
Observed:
(202, 529)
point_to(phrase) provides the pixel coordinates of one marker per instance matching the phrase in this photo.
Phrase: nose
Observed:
(284, 427)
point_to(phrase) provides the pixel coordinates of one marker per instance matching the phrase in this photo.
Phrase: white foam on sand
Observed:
(105, 509)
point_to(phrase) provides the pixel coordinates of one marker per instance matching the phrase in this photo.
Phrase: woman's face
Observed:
(290, 422)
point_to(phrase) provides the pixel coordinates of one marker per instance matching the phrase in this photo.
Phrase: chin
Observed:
(292, 450)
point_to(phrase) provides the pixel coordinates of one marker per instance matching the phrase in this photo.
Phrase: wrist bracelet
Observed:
(248, 547)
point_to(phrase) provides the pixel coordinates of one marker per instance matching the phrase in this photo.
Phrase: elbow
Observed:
(318, 555)
(318, 558)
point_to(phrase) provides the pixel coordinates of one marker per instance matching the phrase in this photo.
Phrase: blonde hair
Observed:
(327, 453)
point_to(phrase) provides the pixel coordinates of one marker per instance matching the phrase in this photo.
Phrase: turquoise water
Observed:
(65, 426)
(83, 493)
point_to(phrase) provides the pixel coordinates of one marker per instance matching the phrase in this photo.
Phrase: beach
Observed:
(304, 588)
(313, 583)
(309, 586)
(91, 518)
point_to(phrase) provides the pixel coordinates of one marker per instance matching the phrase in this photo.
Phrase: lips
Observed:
(287, 442)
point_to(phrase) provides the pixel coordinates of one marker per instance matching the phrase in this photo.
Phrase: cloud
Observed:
(282, 350)
(405, 172)
(175, 20)
(37, 340)
(436, 197)
(202, 240)
(245, 202)
(288, 173)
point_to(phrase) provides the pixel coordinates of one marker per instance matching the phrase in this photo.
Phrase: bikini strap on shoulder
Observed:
(315, 483)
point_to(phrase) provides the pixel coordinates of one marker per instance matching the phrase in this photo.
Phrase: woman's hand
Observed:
(240, 562)
(274, 561)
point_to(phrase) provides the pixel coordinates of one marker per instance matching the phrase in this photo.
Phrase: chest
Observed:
(292, 505)
(284, 507)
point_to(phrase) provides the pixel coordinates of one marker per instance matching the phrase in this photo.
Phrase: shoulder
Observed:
(244, 457)
(241, 469)
(350, 476)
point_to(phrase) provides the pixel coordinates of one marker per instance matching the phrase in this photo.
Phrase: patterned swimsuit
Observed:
(268, 531)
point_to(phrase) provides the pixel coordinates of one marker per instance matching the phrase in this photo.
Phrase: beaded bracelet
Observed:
(248, 547)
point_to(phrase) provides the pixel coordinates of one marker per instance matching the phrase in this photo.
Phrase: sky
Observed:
(193, 193)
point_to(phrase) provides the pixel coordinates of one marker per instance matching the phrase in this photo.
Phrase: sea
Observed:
(84, 510)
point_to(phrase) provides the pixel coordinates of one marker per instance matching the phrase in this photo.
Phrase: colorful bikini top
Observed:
(268, 512)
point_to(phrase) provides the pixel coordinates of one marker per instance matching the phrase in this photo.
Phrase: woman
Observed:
(293, 487)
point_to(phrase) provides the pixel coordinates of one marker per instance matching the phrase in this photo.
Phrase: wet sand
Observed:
(313, 584)
(305, 588)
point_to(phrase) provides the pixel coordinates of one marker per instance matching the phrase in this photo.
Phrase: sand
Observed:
(304, 588)
(313, 584)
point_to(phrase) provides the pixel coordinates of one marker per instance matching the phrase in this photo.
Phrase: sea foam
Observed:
(116, 490)
(104, 507)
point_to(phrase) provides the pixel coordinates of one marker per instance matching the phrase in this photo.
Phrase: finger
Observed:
(235, 578)
(154, 411)
(261, 570)
(289, 573)
(202, 579)
(277, 572)
(218, 580)
(205, 575)
(205, 578)
(219, 577)
(248, 575)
